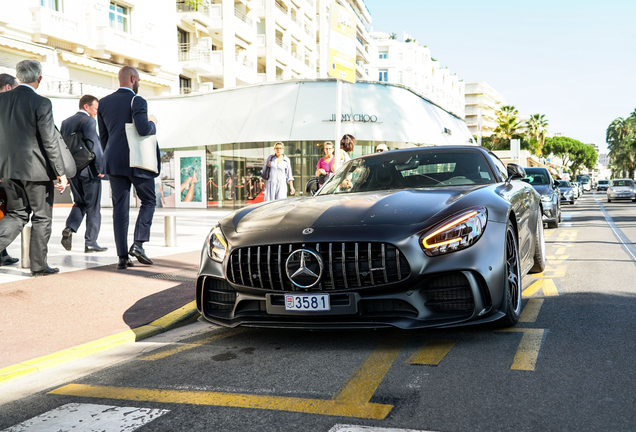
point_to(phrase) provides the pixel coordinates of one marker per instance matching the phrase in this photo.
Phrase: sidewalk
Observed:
(90, 305)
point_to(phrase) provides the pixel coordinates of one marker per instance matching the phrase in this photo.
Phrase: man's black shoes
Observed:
(6, 259)
(45, 271)
(139, 253)
(96, 248)
(124, 263)
(67, 238)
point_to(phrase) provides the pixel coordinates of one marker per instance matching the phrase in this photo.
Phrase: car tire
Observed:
(609, 200)
(572, 202)
(555, 223)
(539, 248)
(511, 299)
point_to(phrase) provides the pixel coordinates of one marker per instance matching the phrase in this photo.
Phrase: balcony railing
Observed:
(295, 20)
(260, 40)
(308, 30)
(244, 61)
(310, 2)
(279, 77)
(189, 7)
(240, 15)
(281, 7)
(295, 54)
(308, 63)
(280, 43)
(196, 52)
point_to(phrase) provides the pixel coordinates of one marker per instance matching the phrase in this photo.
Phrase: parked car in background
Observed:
(576, 187)
(621, 189)
(424, 237)
(602, 185)
(584, 181)
(541, 180)
(566, 191)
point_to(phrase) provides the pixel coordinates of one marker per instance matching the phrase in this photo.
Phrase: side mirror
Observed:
(515, 172)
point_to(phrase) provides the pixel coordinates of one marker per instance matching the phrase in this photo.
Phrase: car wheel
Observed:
(511, 302)
(555, 223)
(572, 201)
(559, 214)
(539, 248)
(609, 200)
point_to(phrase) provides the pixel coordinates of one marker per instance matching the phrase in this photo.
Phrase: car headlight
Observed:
(217, 245)
(546, 198)
(455, 233)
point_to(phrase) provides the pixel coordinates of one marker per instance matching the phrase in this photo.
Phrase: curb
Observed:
(184, 315)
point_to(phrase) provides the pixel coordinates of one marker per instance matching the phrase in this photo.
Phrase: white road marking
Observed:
(353, 428)
(568, 215)
(76, 417)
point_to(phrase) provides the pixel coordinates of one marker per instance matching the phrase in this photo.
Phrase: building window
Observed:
(185, 85)
(384, 55)
(384, 75)
(400, 77)
(56, 5)
(119, 16)
(400, 58)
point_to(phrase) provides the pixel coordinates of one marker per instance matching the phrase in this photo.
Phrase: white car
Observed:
(621, 189)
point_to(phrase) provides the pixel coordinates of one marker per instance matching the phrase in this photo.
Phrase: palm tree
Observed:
(507, 124)
(621, 137)
(537, 127)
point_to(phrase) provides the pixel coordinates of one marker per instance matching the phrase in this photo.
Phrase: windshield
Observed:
(603, 182)
(536, 177)
(410, 170)
(564, 183)
(622, 183)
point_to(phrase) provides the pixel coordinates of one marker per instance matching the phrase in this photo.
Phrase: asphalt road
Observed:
(567, 366)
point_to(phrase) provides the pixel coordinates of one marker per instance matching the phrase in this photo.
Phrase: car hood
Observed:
(543, 189)
(405, 207)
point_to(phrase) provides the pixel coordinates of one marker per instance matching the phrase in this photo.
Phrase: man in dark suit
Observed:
(115, 110)
(30, 160)
(86, 186)
(7, 83)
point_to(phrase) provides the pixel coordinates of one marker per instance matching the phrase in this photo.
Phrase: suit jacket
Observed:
(88, 128)
(29, 144)
(113, 113)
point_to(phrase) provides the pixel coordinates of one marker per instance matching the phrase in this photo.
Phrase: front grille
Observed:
(450, 292)
(346, 265)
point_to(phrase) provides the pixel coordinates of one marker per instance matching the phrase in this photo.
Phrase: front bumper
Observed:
(621, 195)
(457, 288)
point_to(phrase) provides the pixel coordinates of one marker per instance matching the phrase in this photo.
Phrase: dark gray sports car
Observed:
(425, 237)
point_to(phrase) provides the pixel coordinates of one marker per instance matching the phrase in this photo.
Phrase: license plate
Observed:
(307, 302)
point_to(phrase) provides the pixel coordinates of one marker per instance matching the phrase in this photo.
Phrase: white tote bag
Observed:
(143, 149)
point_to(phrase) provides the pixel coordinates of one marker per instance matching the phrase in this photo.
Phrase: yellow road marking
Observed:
(552, 272)
(560, 251)
(185, 347)
(366, 379)
(531, 311)
(528, 351)
(280, 403)
(432, 352)
(557, 260)
(547, 285)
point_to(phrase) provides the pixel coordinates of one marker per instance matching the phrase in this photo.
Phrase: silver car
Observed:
(621, 189)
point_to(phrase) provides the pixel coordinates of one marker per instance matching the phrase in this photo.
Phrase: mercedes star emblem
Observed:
(308, 231)
(304, 268)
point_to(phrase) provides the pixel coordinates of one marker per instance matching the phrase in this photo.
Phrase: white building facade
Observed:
(408, 63)
(482, 101)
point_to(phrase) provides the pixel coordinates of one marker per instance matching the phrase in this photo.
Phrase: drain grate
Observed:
(187, 275)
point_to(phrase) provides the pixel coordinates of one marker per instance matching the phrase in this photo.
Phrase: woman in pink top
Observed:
(325, 164)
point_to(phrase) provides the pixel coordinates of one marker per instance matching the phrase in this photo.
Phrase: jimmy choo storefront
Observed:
(214, 145)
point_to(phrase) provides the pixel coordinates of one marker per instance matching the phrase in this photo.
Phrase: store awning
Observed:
(305, 111)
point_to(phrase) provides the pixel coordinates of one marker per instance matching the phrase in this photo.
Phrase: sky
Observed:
(574, 61)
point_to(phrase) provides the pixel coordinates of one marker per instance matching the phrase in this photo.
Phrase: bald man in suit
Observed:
(115, 110)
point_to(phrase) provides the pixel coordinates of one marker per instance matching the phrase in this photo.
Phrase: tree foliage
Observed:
(574, 154)
(621, 142)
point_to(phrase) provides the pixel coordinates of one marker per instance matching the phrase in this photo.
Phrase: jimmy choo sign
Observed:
(360, 118)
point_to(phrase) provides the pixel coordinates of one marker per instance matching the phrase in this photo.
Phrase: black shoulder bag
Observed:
(81, 148)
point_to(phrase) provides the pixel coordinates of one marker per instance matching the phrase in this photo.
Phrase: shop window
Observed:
(119, 16)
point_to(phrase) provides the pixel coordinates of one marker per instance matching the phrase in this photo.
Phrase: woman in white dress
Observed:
(280, 173)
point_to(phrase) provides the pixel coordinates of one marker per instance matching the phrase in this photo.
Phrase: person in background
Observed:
(280, 173)
(346, 146)
(7, 82)
(86, 185)
(325, 164)
(31, 160)
(381, 148)
(115, 110)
